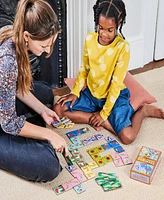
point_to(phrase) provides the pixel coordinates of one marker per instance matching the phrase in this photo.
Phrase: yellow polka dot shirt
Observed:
(103, 70)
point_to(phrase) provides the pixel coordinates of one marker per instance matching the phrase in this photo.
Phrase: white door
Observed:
(140, 30)
(159, 42)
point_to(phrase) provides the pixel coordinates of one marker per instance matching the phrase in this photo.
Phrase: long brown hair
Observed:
(38, 18)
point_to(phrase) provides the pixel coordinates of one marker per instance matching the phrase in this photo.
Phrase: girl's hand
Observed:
(96, 119)
(58, 143)
(49, 116)
(69, 97)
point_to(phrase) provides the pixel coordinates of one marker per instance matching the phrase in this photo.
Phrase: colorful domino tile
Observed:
(114, 143)
(75, 182)
(106, 146)
(108, 158)
(93, 165)
(67, 186)
(76, 172)
(81, 178)
(58, 189)
(127, 161)
(79, 189)
(101, 161)
(99, 136)
(71, 168)
(119, 149)
(118, 162)
(92, 151)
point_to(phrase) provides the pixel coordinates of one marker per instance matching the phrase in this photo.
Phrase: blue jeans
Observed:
(31, 159)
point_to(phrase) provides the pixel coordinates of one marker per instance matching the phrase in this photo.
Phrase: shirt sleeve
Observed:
(10, 122)
(116, 81)
(83, 73)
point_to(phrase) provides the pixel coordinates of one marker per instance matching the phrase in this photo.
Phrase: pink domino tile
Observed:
(75, 182)
(115, 156)
(127, 161)
(124, 154)
(118, 162)
(76, 172)
(67, 186)
(81, 178)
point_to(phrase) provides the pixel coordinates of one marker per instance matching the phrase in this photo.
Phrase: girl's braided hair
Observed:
(110, 8)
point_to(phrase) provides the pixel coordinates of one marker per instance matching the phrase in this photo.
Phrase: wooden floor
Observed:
(152, 65)
(149, 66)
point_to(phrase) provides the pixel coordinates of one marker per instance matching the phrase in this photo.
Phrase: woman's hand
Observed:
(58, 143)
(42, 133)
(69, 97)
(49, 116)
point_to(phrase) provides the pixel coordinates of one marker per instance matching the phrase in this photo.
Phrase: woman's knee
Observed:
(34, 161)
(46, 170)
(43, 92)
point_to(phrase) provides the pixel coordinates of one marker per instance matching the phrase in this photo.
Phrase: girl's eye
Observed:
(100, 27)
(110, 31)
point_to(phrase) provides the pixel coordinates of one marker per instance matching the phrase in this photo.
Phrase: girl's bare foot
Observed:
(152, 111)
(105, 125)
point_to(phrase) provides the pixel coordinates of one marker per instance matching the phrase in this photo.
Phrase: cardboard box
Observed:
(145, 165)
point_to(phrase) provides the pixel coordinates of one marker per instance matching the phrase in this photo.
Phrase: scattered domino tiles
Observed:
(85, 170)
(119, 157)
(65, 122)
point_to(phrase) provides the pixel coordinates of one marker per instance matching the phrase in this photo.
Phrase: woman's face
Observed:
(37, 47)
(106, 30)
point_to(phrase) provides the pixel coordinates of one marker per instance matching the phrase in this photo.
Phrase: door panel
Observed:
(159, 42)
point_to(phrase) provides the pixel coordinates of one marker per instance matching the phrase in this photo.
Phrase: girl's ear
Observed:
(119, 22)
(26, 35)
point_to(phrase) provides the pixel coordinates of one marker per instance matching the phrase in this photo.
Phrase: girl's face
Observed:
(106, 30)
(37, 47)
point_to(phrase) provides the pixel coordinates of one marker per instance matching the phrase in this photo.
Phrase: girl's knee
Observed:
(126, 137)
(59, 110)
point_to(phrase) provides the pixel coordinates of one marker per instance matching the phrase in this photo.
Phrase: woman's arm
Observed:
(37, 132)
(30, 100)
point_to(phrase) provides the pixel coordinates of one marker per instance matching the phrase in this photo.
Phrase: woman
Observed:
(28, 149)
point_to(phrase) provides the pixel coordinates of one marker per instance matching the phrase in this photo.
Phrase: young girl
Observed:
(26, 149)
(104, 102)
